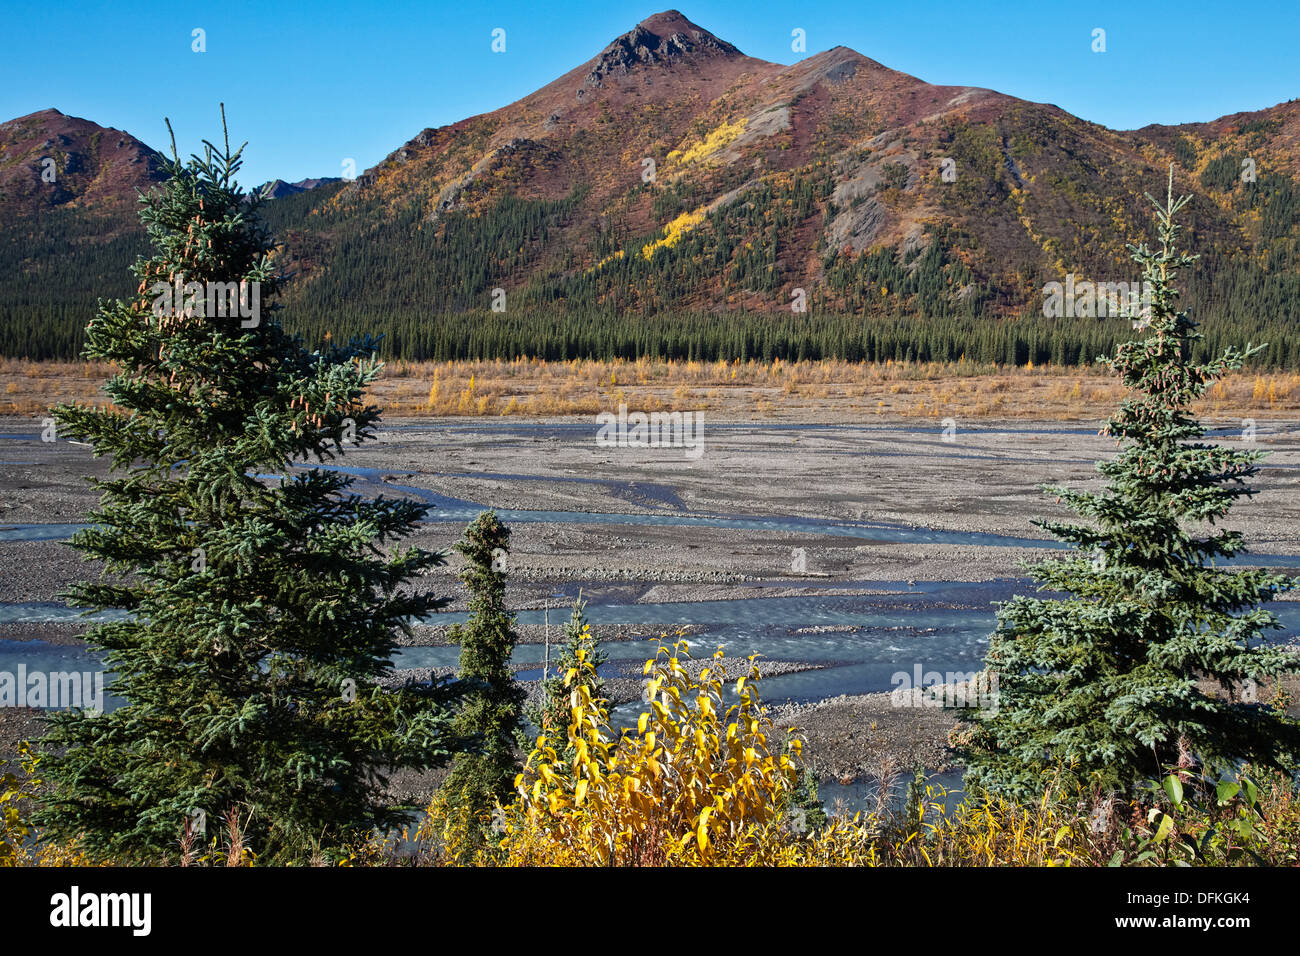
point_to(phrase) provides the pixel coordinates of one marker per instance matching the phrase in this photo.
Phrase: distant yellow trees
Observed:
(714, 141)
(674, 231)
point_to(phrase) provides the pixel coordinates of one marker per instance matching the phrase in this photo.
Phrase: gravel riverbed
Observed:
(790, 492)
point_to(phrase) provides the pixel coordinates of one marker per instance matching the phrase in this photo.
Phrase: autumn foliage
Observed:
(699, 782)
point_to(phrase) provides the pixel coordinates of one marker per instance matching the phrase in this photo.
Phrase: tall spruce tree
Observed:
(1107, 683)
(553, 715)
(260, 609)
(486, 724)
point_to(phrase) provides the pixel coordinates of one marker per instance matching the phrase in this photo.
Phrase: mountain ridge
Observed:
(48, 158)
(672, 172)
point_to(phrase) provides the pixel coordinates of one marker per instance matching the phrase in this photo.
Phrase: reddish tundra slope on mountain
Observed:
(48, 160)
(673, 173)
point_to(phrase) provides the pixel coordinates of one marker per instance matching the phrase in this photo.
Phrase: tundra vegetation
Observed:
(701, 286)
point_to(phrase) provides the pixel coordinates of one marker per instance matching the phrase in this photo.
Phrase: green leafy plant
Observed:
(1215, 823)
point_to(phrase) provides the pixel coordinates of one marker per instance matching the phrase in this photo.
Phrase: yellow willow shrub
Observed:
(991, 832)
(697, 783)
(1230, 822)
(841, 842)
(448, 834)
(19, 845)
(927, 834)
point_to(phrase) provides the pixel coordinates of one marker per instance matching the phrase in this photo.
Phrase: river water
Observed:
(862, 641)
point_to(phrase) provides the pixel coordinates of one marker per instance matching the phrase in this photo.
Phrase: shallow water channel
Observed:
(861, 641)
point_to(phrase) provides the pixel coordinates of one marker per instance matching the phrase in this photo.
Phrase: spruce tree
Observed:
(1106, 683)
(261, 610)
(485, 765)
(553, 716)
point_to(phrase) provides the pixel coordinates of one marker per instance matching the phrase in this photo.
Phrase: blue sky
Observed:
(312, 84)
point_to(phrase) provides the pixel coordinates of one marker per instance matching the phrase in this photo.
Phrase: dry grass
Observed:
(30, 388)
(807, 391)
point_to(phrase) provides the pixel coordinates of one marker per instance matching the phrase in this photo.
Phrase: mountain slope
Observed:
(825, 176)
(672, 174)
(68, 227)
(49, 160)
(278, 188)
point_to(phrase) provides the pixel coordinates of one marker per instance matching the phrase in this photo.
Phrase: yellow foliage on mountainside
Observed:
(714, 141)
(674, 231)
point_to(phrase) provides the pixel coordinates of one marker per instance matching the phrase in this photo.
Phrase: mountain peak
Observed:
(663, 39)
(278, 188)
(53, 159)
(670, 22)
